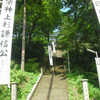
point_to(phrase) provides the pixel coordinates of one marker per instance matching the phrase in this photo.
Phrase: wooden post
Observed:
(85, 89)
(14, 91)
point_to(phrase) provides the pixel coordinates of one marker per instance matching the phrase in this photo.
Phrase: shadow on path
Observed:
(59, 89)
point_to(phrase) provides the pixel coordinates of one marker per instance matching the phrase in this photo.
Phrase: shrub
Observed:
(32, 66)
(14, 65)
(25, 82)
(76, 89)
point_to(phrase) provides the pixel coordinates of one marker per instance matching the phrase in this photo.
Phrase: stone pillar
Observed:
(85, 89)
(14, 91)
(41, 70)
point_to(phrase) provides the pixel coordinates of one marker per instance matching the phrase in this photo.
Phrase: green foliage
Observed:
(16, 49)
(14, 65)
(93, 78)
(75, 85)
(5, 93)
(25, 82)
(25, 88)
(80, 30)
(32, 66)
(41, 17)
(17, 76)
(33, 49)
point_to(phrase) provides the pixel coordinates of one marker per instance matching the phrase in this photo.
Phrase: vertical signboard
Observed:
(96, 4)
(6, 30)
(53, 44)
(98, 68)
(50, 55)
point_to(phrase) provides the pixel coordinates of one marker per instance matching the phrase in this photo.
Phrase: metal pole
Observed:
(97, 60)
(14, 91)
(54, 62)
(96, 55)
(95, 52)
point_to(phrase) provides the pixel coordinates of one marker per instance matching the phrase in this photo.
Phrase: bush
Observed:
(32, 66)
(76, 89)
(25, 82)
(14, 65)
(32, 49)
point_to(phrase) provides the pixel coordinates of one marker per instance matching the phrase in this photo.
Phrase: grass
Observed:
(76, 89)
(25, 87)
(25, 81)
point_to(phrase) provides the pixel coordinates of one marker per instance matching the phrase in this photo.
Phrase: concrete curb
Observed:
(34, 87)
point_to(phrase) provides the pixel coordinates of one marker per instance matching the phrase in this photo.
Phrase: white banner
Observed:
(6, 30)
(97, 60)
(96, 4)
(50, 55)
(53, 44)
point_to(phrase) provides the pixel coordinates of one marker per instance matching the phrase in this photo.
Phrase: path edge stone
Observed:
(34, 87)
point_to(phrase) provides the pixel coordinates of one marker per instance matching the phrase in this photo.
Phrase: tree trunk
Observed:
(23, 38)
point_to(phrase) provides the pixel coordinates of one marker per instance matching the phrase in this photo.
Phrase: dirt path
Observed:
(59, 86)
